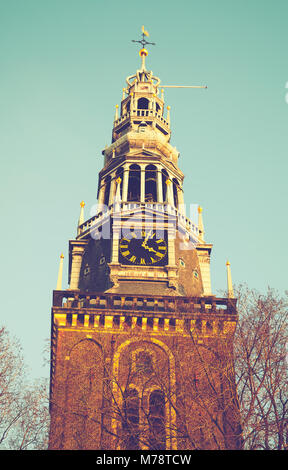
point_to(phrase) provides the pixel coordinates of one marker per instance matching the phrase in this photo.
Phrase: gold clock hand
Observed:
(146, 238)
(149, 248)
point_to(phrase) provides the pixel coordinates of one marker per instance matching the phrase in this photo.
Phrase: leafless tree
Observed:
(261, 366)
(24, 417)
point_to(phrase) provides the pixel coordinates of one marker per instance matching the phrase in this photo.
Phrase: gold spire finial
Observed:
(200, 224)
(229, 282)
(81, 217)
(60, 273)
(116, 112)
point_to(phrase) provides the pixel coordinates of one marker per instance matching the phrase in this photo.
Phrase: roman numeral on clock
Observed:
(126, 253)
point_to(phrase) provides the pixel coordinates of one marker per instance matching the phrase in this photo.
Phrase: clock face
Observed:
(143, 248)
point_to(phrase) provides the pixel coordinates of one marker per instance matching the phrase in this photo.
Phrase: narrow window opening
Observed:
(157, 421)
(165, 177)
(107, 190)
(150, 184)
(130, 420)
(134, 183)
(175, 191)
(143, 103)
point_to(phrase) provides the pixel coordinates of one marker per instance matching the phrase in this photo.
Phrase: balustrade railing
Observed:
(141, 113)
(144, 303)
(102, 215)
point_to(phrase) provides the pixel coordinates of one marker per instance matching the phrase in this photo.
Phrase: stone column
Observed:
(125, 183)
(171, 247)
(112, 189)
(159, 185)
(169, 193)
(77, 254)
(142, 188)
(180, 194)
(101, 193)
(115, 245)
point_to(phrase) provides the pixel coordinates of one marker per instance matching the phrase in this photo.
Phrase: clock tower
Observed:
(141, 350)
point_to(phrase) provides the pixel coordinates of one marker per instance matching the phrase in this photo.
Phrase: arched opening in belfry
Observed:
(130, 420)
(107, 183)
(165, 178)
(143, 103)
(134, 183)
(150, 183)
(156, 419)
(175, 191)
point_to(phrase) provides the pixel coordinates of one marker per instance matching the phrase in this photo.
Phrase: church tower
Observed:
(141, 349)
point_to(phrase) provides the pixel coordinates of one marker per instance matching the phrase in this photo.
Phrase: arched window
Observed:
(134, 183)
(150, 184)
(156, 419)
(143, 103)
(107, 190)
(142, 126)
(165, 177)
(175, 191)
(130, 420)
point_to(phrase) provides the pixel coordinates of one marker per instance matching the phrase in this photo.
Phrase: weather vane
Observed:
(143, 41)
(143, 53)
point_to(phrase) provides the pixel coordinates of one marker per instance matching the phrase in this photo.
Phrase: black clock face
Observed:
(143, 248)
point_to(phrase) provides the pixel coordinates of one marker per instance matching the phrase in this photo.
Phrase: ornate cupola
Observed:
(141, 133)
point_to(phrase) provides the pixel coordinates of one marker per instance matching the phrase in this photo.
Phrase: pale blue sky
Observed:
(63, 67)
